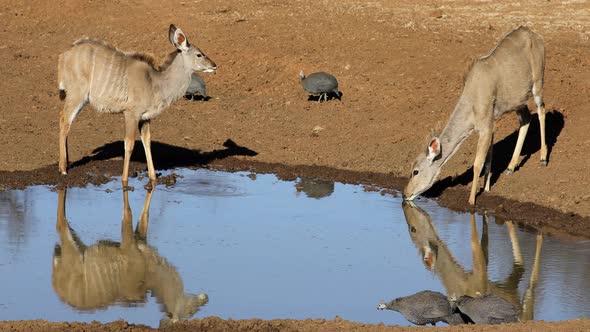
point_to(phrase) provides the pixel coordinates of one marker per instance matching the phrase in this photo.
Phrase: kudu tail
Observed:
(62, 88)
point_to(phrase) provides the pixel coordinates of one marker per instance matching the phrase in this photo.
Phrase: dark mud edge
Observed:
(548, 220)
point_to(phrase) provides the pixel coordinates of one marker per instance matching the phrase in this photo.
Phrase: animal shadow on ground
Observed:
(167, 156)
(196, 97)
(503, 149)
(330, 96)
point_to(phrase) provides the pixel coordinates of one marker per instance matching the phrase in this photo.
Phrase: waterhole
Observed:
(241, 245)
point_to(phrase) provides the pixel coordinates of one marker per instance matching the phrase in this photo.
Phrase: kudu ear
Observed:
(178, 38)
(434, 149)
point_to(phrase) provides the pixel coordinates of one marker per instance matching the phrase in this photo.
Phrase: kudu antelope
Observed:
(500, 82)
(457, 281)
(93, 72)
(107, 273)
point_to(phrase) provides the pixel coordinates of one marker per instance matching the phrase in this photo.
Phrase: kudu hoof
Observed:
(508, 172)
(543, 162)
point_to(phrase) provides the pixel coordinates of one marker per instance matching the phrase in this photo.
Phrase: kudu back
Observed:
(498, 83)
(93, 72)
(108, 272)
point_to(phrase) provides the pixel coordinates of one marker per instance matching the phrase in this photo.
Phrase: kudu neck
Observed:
(457, 130)
(174, 80)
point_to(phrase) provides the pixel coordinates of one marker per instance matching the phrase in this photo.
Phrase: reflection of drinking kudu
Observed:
(106, 273)
(456, 280)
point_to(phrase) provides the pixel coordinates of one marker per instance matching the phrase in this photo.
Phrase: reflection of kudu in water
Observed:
(456, 280)
(107, 272)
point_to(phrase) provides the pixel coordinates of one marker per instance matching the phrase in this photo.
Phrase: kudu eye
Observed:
(199, 55)
(415, 172)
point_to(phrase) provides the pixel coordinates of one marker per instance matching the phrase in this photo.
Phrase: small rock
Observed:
(315, 132)
(437, 13)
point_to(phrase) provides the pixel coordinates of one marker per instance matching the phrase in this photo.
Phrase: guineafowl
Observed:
(488, 309)
(320, 83)
(425, 307)
(197, 85)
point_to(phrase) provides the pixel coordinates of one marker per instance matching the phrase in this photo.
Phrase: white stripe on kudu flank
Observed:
(105, 82)
(91, 80)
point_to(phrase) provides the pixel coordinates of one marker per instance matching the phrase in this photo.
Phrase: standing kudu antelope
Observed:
(496, 84)
(106, 273)
(93, 72)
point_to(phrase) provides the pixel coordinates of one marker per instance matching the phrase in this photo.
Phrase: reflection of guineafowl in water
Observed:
(489, 309)
(315, 188)
(320, 83)
(425, 307)
(197, 85)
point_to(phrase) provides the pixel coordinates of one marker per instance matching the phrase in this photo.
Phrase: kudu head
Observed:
(423, 233)
(425, 170)
(193, 57)
(184, 308)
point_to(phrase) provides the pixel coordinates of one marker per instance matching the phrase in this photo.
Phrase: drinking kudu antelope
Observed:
(457, 281)
(498, 83)
(93, 72)
(107, 273)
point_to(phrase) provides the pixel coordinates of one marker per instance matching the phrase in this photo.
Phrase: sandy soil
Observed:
(400, 67)
(213, 324)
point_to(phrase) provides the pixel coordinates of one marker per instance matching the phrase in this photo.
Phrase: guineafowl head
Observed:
(392, 305)
(453, 301)
(302, 75)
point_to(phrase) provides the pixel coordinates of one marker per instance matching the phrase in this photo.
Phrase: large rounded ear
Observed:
(434, 149)
(178, 38)
(171, 31)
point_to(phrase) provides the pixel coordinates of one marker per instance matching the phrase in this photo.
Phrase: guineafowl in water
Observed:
(197, 85)
(320, 83)
(425, 307)
(488, 309)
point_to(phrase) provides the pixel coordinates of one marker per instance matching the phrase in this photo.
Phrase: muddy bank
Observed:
(214, 324)
(448, 192)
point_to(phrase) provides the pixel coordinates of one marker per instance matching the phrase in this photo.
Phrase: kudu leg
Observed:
(127, 237)
(529, 295)
(142, 225)
(62, 223)
(538, 97)
(130, 128)
(516, 253)
(480, 267)
(541, 113)
(64, 127)
(70, 247)
(525, 119)
(146, 139)
(488, 165)
(66, 116)
(483, 146)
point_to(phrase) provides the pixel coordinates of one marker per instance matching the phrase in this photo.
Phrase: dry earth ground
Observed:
(399, 64)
